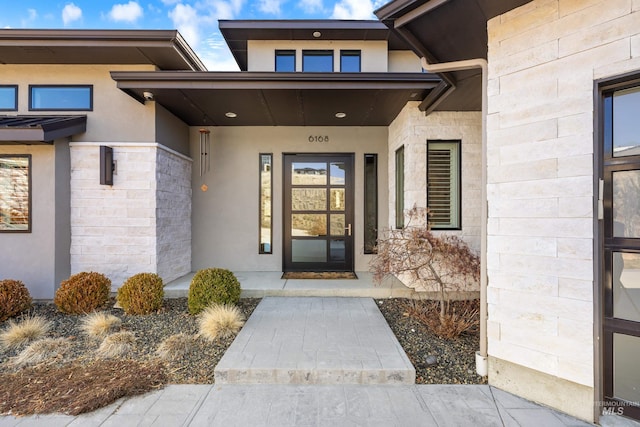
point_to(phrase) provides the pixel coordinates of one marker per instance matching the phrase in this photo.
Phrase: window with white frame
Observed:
(443, 184)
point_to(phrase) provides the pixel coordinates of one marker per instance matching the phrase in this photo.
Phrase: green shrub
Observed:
(14, 298)
(83, 293)
(212, 286)
(141, 294)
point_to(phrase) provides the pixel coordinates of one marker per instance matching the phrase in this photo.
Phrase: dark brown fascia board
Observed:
(300, 24)
(394, 8)
(127, 80)
(103, 38)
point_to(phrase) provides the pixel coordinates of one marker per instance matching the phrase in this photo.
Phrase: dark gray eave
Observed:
(39, 129)
(237, 32)
(444, 31)
(279, 99)
(165, 49)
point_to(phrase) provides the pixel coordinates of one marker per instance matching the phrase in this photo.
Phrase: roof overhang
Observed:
(279, 99)
(39, 129)
(166, 49)
(444, 31)
(237, 32)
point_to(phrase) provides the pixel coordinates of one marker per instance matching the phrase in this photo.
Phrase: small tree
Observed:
(441, 262)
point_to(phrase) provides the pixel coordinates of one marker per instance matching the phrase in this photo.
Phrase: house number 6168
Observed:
(318, 138)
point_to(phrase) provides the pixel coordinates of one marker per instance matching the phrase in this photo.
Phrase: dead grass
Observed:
(99, 324)
(116, 345)
(46, 350)
(220, 321)
(176, 346)
(18, 334)
(463, 316)
(74, 388)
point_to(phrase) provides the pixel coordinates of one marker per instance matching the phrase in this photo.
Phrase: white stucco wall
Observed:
(404, 61)
(225, 216)
(543, 60)
(261, 53)
(412, 129)
(118, 230)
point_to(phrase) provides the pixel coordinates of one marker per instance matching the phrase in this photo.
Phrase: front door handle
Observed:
(348, 229)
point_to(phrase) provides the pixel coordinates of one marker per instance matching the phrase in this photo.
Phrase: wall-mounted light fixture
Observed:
(107, 165)
(205, 148)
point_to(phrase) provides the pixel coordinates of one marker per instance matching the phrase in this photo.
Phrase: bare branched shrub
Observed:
(444, 262)
(461, 318)
(176, 346)
(99, 324)
(116, 345)
(44, 350)
(220, 321)
(18, 334)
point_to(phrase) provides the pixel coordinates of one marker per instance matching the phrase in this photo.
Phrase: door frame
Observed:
(604, 323)
(349, 263)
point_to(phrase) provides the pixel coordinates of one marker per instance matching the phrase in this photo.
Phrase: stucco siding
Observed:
(225, 216)
(543, 60)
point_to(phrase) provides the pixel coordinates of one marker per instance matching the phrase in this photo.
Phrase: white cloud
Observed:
(185, 20)
(129, 12)
(270, 6)
(170, 2)
(30, 19)
(311, 6)
(353, 9)
(71, 13)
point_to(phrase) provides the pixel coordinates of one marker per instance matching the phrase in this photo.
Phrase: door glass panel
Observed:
(626, 203)
(308, 225)
(337, 224)
(308, 250)
(626, 286)
(337, 199)
(305, 173)
(626, 375)
(337, 173)
(308, 199)
(626, 126)
(337, 250)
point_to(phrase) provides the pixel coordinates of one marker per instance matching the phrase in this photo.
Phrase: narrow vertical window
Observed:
(266, 192)
(350, 61)
(370, 203)
(285, 60)
(15, 193)
(443, 184)
(400, 187)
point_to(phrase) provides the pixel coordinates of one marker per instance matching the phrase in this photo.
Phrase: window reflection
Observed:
(626, 126)
(265, 203)
(626, 203)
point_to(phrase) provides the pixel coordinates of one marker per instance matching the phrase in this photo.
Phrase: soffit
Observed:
(280, 99)
(39, 129)
(237, 32)
(165, 49)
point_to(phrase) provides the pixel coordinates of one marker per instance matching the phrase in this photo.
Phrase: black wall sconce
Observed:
(107, 166)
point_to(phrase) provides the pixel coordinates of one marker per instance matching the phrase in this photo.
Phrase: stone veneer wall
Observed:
(412, 129)
(543, 60)
(140, 224)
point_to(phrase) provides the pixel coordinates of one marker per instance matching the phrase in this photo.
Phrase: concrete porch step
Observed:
(259, 284)
(306, 340)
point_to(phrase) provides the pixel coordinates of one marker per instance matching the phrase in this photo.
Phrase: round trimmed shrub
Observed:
(141, 294)
(14, 298)
(212, 286)
(83, 293)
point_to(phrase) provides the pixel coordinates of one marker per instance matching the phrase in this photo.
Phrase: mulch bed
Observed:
(80, 382)
(322, 275)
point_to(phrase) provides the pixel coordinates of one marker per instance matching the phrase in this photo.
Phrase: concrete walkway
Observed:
(304, 340)
(320, 405)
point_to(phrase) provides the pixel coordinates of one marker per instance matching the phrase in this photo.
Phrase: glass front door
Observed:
(318, 212)
(621, 291)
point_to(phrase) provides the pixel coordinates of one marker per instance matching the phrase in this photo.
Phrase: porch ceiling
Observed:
(279, 99)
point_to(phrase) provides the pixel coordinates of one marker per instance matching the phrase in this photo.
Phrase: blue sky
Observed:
(195, 19)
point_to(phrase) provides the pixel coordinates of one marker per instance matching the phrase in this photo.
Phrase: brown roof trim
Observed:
(44, 129)
(271, 80)
(74, 38)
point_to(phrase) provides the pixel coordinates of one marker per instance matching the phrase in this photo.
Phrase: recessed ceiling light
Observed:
(341, 115)
(317, 34)
(231, 115)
